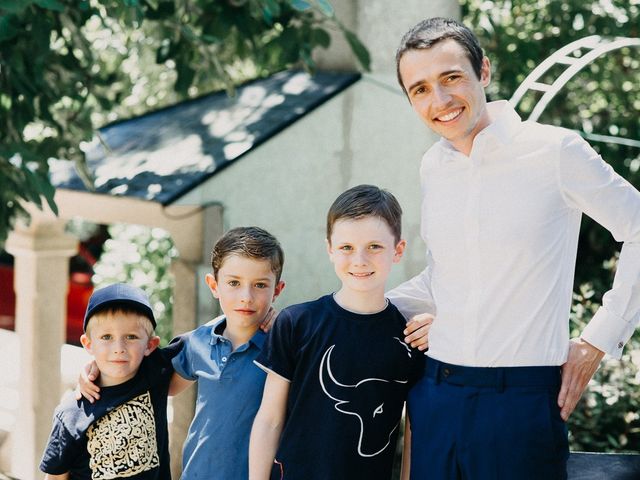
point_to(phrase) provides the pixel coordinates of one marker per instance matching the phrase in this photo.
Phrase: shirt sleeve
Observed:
(414, 296)
(279, 350)
(183, 360)
(60, 452)
(592, 186)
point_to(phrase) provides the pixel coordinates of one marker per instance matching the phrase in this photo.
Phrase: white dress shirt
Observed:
(501, 228)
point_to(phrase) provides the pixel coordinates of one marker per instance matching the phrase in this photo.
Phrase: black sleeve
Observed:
(61, 450)
(279, 351)
(174, 347)
(157, 367)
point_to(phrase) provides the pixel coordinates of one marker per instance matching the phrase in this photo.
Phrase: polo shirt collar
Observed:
(258, 338)
(220, 323)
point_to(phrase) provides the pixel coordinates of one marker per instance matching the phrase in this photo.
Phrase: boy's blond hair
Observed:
(118, 311)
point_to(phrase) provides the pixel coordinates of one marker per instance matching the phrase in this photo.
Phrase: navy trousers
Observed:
(475, 423)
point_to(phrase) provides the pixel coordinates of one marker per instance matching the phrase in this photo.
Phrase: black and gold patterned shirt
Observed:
(122, 435)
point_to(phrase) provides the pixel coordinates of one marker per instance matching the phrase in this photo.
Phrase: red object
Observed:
(80, 289)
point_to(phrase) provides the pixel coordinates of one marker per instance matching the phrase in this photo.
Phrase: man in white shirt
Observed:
(502, 201)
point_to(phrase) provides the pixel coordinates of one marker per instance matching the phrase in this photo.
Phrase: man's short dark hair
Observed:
(433, 30)
(364, 201)
(249, 242)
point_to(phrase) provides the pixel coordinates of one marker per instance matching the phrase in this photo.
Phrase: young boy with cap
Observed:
(218, 356)
(125, 434)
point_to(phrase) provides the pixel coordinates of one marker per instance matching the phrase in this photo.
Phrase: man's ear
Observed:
(152, 344)
(485, 72)
(86, 342)
(213, 284)
(399, 250)
(278, 290)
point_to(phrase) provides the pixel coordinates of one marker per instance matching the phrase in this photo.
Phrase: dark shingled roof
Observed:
(162, 155)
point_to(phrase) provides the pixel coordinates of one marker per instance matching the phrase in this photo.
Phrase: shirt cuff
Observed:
(608, 332)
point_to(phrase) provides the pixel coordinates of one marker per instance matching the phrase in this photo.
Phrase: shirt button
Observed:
(620, 344)
(224, 359)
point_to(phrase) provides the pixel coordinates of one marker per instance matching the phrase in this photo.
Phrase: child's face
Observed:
(246, 288)
(118, 343)
(362, 252)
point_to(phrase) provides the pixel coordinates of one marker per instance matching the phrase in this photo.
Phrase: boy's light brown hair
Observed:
(115, 311)
(249, 242)
(364, 201)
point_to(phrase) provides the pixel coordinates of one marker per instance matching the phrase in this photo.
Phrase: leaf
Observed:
(160, 10)
(14, 6)
(7, 29)
(29, 192)
(270, 10)
(54, 5)
(359, 50)
(48, 191)
(326, 8)
(320, 37)
(309, 64)
(300, 5)
(186, 74)
(164, 51)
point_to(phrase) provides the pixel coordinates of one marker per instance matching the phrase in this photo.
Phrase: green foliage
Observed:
(141, 256)
(517, 35)
(608, 416)
(68, 67)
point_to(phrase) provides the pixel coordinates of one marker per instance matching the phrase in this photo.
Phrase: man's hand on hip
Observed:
(582, 363)
(417, 331)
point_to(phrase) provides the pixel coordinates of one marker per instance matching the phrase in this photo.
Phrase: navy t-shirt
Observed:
(124, 434)
(350, 374)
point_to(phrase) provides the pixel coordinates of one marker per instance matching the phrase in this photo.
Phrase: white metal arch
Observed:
(594, 46)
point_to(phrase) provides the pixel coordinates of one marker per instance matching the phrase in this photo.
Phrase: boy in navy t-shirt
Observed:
(125, 434)
(338, 370)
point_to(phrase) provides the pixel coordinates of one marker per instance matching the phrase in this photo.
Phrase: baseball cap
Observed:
(119, 294)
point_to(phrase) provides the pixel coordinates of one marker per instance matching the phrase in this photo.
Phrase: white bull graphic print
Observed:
(368, 401)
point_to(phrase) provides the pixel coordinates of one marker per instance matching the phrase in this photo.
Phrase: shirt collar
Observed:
(258, 338)
(505, 123)
(220, 323)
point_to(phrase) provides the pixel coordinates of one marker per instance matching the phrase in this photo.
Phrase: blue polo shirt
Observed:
(229, 393)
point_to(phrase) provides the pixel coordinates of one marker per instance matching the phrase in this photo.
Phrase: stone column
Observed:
(41, 275)
(184, 320)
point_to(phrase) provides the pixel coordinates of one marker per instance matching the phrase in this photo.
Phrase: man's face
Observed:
(446, 93)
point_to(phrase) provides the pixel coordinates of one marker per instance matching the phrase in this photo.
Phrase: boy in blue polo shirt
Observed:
(218, 356)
